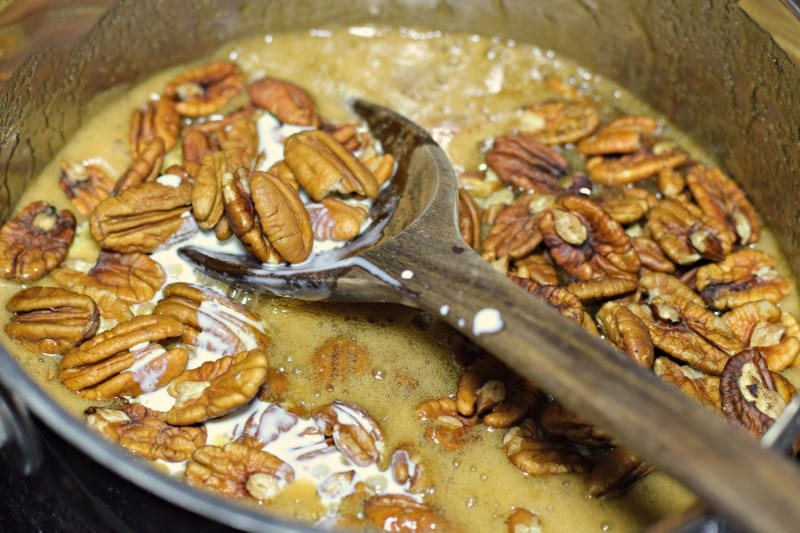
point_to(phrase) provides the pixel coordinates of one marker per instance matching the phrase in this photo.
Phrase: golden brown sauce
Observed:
(465, 89)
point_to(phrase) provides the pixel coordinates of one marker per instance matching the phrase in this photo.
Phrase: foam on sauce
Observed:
(464, 89)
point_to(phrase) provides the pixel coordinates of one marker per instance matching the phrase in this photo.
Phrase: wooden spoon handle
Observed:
(726, 467)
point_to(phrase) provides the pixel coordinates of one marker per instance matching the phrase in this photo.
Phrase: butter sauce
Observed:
(464, 89)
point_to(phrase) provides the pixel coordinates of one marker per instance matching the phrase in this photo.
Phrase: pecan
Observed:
(671, 183)
(196, 145)
(447, 428)
(206, 89)
(212, 321)
(557, 420)
(381, 165)
(144, 432)
(749, 395)
(719, 197)
(348, 135)
(337, 359)
(616, 472)
(272, 422)
(592, 290)
(529, 451)
(560, 298)
(620, 136)
(335, 220)
(35, 241)
(322, 166)
(158, 119)
(469, 219)
(207, 201)
(50, 319)
(241, 215)
(490, 392)
(217, 387)
(142, 218)
(762, 325)
(239, 142)
(627, 332)
(111, 307)
(133, 277)
(586, 242)
(688, 332)
(686, 234)
(658, 284)
(627, 206)
(283, 217)
(515, 232)
(238, 470)
(537, 268)
(288, 102)
(744, 276)
(634, 167)
(399, 513)
(692, 383)
(523, 162)
(650, 255)
(124, 360)
(85, 185)
(563, 121)
(523, 521)
(355, 433)
(480, 184)
(145, 167)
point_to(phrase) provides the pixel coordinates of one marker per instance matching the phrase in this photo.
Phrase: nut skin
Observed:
(50, 319)
(35, 241)
(144, 432)
(527, 164)
(288, 102)
(323, 166)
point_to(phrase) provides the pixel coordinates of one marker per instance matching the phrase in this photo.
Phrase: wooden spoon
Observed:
(414, 255)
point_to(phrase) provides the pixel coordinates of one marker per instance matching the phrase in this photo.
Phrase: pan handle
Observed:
(18, 440)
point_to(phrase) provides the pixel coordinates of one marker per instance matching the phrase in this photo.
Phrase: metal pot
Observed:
(706, 65)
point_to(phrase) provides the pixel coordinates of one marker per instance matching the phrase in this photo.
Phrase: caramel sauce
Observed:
(465, 89)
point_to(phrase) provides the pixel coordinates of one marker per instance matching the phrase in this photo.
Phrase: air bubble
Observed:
(470, 502)
(605, 526)
(378, 374)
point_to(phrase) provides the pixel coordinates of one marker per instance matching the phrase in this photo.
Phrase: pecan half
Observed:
(627, 332)
(207, 201)
(238, 470)
(283, 217)
(124, 360)
(626, 206)
(337, 359)
(145, 167)
(85, 185)
(616, 472)
(335, 220)
(691, 382)
(239, 141)
(469, 219)
(719, 197)
(50, 319)
(212, 321)
(322, 166)
(523, 162)
(557, 420)
(523, 521)
(241, 215)
(562, 299)
(446, 427)
(207, 89)
(142, 218)
(749, 396)
(635, 167)
(355, 433)
(35, 241)
(744, 276)
(144, 432)
(620, 136)
(586, 242)
(686, 234)
(529, 451)
(651, 256)
(515, 232)
(762, 325)
(563, 121)
(217, 387)
(400, 513)
(597, 289)
(133, 277)
(158, 119)
(537, 268)
(288, 102)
